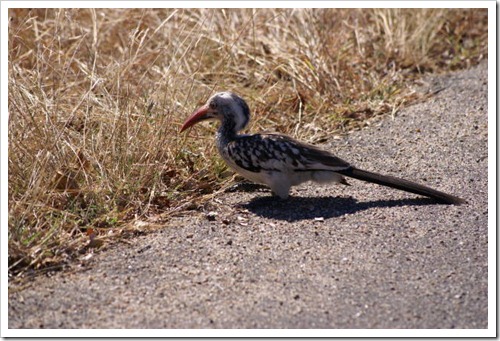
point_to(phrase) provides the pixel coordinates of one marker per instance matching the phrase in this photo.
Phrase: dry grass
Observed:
(96, 98)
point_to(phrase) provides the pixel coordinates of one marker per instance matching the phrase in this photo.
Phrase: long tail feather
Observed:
(401, 184)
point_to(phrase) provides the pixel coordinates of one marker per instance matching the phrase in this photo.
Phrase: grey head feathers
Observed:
(233, 111)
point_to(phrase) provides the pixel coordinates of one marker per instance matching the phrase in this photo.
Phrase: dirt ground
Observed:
(359, 256)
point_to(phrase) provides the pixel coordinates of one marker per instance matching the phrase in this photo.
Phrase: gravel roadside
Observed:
(359, 256)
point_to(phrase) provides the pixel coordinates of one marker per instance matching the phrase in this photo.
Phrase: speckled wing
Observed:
(274, 152)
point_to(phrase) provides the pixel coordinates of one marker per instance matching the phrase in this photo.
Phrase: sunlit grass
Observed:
(96, 98)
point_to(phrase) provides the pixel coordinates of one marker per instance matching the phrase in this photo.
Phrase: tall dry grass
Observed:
(96, 98)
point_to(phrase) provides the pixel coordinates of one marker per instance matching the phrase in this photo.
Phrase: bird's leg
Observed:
(280, 186)
(280, 197)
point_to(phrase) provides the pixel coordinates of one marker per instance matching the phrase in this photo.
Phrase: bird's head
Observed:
(226, 107)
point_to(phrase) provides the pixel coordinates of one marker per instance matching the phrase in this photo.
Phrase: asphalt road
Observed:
(359, 256)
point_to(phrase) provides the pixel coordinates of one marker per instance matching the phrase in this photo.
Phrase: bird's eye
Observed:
(212, 105)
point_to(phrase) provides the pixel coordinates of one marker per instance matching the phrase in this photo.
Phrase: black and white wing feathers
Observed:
(274, 152)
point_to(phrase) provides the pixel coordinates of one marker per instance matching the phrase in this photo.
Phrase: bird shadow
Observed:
(304, 208)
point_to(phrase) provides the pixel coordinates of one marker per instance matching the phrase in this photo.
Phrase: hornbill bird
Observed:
(280, 161)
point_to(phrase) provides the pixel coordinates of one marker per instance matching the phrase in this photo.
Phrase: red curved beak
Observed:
(197, 116)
